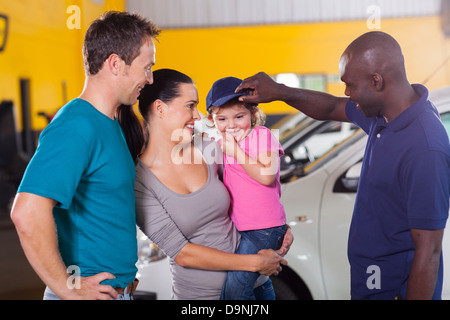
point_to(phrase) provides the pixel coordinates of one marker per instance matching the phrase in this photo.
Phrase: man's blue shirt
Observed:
(404, 184)
(83, 163)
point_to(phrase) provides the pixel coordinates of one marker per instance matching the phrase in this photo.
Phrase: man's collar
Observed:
(410, 114)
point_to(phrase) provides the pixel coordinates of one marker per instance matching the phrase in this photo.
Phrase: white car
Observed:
(319, 174)
(155, 279)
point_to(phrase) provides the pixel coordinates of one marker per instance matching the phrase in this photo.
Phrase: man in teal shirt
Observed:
(75, 208)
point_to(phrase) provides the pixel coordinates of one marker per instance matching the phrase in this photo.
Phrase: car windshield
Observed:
(313, 143)
(446, 121)
(309, 144)
(335, 150)
(289, 123)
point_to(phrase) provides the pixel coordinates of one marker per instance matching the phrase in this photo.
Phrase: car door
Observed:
(445, 117)
(320, 153)
(335, 216)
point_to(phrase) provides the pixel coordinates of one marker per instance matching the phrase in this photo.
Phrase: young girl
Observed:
(251, 175)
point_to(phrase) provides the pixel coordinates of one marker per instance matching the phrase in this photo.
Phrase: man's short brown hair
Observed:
(116, 32)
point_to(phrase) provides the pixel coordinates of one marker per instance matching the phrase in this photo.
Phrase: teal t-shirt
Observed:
(84, 164)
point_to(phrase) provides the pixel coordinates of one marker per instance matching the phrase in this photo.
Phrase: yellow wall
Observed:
(209, 54)
(43, 49)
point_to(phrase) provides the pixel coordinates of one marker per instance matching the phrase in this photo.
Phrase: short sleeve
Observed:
(57, 166)
(357, 117)
(261, 140)
(155, 222)
(427, 187)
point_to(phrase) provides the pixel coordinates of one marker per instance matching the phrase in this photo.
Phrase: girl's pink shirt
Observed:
(254, 205)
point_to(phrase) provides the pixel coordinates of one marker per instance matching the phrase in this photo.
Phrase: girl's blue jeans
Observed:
(239, 285)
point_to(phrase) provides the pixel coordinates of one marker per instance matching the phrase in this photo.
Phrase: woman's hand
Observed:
(270, 262)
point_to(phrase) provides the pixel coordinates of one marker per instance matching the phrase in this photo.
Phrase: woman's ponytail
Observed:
(132, 130)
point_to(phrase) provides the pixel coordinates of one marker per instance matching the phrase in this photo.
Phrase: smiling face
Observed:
(139, 73)
(182, 112)
(360, 85)
(235, 118)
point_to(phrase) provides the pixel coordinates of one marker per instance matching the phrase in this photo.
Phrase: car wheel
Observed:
(144, 295)
(285, 290)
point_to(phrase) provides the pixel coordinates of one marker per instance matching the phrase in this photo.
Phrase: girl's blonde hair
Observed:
(258, 116)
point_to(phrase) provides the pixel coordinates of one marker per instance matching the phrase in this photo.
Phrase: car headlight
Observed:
(148, 252)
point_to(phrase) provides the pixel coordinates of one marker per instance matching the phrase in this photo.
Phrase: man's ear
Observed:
(114, 63)
(377, 82)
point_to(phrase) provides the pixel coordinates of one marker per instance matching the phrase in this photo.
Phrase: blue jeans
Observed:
(240, 285)
(50, 295)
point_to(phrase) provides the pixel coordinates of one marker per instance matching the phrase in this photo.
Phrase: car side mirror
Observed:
(290, 168)
(348, 182)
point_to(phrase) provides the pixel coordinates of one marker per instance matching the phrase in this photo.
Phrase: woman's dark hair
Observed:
(116, 32)
(165, 87)
(132, 129)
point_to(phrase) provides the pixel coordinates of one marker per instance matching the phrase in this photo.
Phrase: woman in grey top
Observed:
(181, 204)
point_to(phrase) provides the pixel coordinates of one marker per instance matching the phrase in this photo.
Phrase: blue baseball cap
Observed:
(222, 91)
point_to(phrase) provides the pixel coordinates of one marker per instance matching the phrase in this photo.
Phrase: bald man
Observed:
(402, 202)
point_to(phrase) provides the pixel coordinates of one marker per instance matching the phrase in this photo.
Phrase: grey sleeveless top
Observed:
(171, 220)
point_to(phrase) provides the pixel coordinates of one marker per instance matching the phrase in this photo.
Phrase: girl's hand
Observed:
(229, 144)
